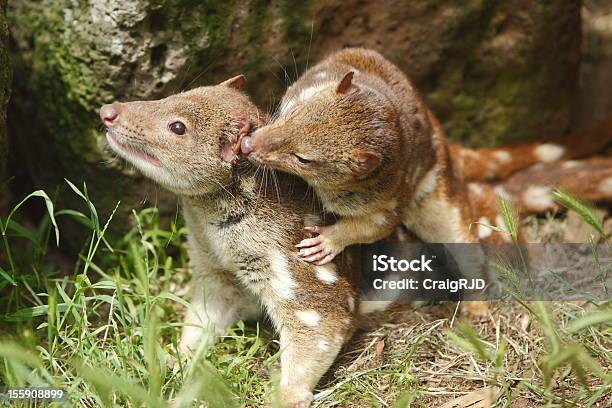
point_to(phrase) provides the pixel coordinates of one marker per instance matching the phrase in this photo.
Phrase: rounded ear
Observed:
(236, 82)
(244, 124)
(345, 84)
(366, 162)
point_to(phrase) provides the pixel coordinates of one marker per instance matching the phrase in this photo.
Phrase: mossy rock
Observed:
(493, 71)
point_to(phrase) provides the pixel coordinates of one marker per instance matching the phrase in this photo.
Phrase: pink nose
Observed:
(110, 113)
(246, 145)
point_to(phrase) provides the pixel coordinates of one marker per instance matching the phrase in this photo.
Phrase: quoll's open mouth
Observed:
(129, 150)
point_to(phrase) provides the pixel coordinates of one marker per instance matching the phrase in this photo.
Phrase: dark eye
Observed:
(178, 128)
(302, 160)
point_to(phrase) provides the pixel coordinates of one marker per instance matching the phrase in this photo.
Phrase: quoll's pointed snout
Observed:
(110, 113)
(256, 142)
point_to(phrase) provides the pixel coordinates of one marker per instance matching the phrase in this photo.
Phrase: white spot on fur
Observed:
(538, 198)
(501, 192)
(321, 75)
(379, 218)
(311, 92)
(570, 164)
(502, 156)
(483, 230)
(323, 345)
(606, 185)
(338, 338)
(282, 282)
(548, 152)
(327, 273)
(351, 303)
(435, 142)
(308, 317)
(428, 184)
(476, 188)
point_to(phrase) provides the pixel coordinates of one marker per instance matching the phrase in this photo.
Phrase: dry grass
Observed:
(410, 353)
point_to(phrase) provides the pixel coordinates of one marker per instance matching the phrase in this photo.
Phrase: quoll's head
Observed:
(186, 142)
(332, 134)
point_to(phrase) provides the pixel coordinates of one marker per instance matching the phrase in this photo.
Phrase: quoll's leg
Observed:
(310, 342)
(217, 303)
(332, 239)
(313, 323)
(434, 216)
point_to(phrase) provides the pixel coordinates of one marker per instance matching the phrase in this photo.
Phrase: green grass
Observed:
(105, 327)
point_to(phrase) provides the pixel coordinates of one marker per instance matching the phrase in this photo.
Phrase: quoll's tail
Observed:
(589, 179)
(530, 191)
(497, 163)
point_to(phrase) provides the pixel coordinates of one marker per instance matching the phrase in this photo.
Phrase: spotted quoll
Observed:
(244, 226)
(357, 131)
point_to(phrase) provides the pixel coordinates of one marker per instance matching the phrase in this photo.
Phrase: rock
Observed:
(5, 81)
(493, 71)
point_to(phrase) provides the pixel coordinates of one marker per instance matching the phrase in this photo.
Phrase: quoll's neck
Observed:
(253, 189)
(224, 200)
(349, 201)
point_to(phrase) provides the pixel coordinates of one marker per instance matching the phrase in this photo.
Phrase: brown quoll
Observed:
(243, 229)
(357, 131)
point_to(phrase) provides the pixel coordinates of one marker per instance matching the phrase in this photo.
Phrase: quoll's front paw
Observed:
(295, 398)
(320, 249)
(190, 338)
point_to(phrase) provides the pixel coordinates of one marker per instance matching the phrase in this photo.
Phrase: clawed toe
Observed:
(304, 252)
(310, 242)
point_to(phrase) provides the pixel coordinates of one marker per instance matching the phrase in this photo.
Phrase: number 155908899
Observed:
(32, 393)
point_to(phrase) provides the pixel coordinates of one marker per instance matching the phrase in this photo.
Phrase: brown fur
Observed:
(376, 155)
(498, 163)
(529, 191)
(243, 228)
(589, 179)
